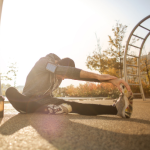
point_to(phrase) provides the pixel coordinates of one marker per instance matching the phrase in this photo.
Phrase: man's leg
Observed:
(122, 108)
(80, 108)
(47, 104)
(92, 109)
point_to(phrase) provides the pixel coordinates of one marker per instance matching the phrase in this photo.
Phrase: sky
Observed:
(31, 29)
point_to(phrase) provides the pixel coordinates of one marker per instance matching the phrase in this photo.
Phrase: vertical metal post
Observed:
(1, 4)
(0, 86)
(1, 97)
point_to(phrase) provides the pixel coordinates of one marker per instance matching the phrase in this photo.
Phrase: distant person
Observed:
(46, 76)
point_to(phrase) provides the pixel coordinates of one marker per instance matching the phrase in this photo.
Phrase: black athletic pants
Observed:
(39, 104)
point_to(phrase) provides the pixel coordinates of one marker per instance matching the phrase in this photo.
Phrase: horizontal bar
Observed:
(133, 56)
(132, 75)
(134, 84)
(132, 65)
(137, 94)
(143, 74)
(138, 36)
(144, 28)
(134, 46)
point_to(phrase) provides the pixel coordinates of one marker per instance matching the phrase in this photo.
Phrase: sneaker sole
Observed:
(128, 96)
(129, 109)
(126, 105)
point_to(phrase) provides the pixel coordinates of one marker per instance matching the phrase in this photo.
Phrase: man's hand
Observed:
(117, 83)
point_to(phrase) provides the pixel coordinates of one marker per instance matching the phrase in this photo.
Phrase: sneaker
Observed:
(59, 109)
(124, 104)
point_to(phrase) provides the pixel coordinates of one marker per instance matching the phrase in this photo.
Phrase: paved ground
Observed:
(76, 132)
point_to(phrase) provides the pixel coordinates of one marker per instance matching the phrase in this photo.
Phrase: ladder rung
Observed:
(138, 37)
(137, 94)
(134, 46)
(132, 55)
(132, 65)
(134, 84)
(144, 28)
(132, 75)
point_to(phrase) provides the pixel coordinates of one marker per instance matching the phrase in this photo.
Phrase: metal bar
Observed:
(0, 86)
(143, 73)
(134, 84)
(132, 75)
(133, 56)
(137, 94)
(132, 65)
(1, 4)
(134, 46)
(138, 37)
(144, 28)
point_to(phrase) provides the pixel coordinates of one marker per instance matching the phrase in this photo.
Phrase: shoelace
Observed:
(54, 109)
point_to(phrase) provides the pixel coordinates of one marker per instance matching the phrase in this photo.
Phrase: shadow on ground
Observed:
(75, 132)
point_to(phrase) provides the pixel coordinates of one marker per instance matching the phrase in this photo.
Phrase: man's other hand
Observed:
(117, 83)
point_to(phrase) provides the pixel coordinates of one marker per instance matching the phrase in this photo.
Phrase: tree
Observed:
(4, 88)
(110, 61)
(116, 48)
(13, 71)
(11, 74)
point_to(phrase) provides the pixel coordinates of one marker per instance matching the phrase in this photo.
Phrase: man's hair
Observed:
(66, 62)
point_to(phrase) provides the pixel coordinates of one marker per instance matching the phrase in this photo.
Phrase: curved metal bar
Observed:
(125, 53)
(1, 4)
(139, 58)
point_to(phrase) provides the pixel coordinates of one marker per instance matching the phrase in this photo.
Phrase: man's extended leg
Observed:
(122, 108)
(80, 108)
(44, 103)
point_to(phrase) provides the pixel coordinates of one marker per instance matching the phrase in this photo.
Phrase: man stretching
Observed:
(46, 76)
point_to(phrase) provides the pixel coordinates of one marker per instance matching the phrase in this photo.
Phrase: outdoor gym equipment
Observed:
(128, 54)
(1, 98)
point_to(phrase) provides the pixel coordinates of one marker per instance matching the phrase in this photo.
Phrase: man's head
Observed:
(65, 62)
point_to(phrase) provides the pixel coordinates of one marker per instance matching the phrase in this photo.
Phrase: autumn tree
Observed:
(145, 65)
(110, 61)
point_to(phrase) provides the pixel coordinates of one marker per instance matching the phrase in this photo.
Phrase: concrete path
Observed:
(76, 132)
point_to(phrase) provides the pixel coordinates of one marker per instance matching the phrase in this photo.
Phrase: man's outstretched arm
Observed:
(78, 74)
(105, 78)
(90, 75)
